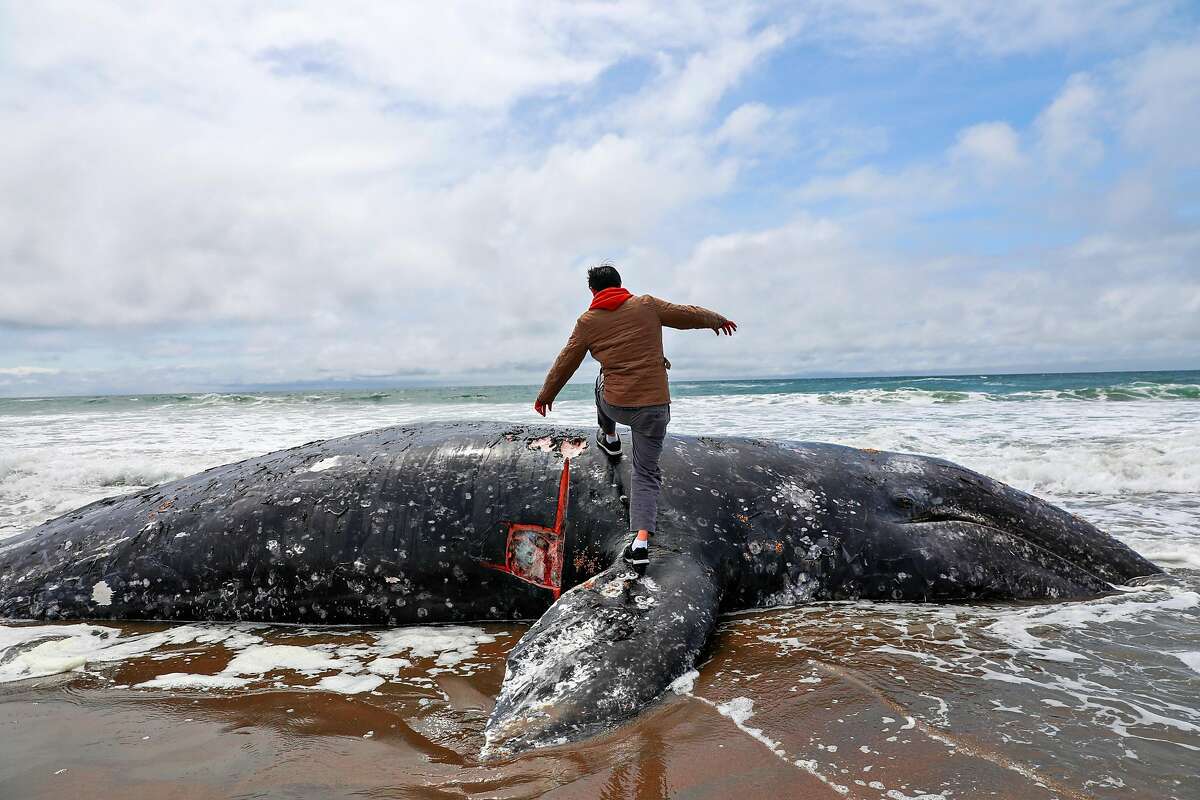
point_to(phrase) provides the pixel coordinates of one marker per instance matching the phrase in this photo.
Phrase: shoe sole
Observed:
(638, 564)
(604, 449)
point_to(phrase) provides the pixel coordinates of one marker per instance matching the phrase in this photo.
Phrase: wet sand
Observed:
(813, 703)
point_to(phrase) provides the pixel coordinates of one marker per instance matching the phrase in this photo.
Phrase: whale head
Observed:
(952, 532)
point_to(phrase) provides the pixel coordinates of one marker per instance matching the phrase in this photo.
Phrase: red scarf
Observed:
(610, 299)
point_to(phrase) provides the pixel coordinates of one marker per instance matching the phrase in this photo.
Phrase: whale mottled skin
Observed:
(452, 522)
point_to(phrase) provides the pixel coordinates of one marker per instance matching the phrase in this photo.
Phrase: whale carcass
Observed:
(452, 522)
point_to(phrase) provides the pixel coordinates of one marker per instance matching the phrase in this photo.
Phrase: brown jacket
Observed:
(628, 344)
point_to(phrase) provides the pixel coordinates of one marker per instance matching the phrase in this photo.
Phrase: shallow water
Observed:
(1092, 699)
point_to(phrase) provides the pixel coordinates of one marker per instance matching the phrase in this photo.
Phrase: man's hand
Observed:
(728, 326)
(541, 407)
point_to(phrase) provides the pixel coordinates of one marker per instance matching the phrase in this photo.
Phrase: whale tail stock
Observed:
(603, 651)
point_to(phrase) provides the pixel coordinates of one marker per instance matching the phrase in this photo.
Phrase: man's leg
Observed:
(606, 438)
(603, 420)
(649, 429)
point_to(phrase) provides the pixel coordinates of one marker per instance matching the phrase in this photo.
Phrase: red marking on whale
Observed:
(534, 553)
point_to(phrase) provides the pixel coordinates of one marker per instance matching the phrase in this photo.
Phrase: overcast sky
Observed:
(206, 195)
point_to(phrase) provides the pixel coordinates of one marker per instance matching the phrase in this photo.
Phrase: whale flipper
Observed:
(602, 652)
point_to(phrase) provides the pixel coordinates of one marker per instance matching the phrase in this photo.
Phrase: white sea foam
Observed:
(350, 684)
(685, 683)
(1192, 659)
(268, 658)
(173, 681)
(1120, 663)
(33, 651)
(448, 645)
(1029, 628)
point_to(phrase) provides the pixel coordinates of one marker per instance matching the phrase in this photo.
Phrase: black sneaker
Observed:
(638, 559)
(613, 449)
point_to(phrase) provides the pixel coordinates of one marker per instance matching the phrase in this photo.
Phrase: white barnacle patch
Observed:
(799, 496)
(325, 463)
(612, 588)
(792, 593)
(903, 465)
(273, 546)
(102, 594)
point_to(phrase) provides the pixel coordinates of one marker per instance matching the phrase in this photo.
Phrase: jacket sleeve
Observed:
(685, 317)
(564, 366)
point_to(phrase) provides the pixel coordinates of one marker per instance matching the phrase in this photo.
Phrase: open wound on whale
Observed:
(534, 553)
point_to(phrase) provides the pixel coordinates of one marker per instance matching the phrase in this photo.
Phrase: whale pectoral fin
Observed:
(603, 651)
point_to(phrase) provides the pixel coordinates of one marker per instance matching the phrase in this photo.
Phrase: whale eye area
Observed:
(904, 501)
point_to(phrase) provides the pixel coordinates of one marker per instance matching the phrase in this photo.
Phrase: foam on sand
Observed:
(34, 651)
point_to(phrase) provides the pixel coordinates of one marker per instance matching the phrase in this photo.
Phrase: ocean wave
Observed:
(904, 395)
(933, 390)
(36, 486)
(1088, 468)
(214, 398)
(920, 396)
(923, 396)
(1118, 393)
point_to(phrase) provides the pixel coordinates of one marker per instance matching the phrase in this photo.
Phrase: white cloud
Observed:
(189, 166)
(915, 188)
(685, 94)
(1068, 127)
(745, 123)
(811, 295)
(1161, 95)
(991, 146)
(236, 192)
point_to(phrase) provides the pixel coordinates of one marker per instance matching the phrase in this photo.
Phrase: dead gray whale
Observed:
(452, 522)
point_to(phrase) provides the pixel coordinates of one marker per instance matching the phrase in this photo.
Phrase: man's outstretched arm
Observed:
(564, 367)
(691, 317)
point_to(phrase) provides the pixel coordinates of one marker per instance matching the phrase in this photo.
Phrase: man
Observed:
(624, 333)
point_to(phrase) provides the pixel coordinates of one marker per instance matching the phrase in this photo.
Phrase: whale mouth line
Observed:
(973, 523)
(963, 519)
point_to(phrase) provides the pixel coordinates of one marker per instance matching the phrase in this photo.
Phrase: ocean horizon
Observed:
(1181, 384)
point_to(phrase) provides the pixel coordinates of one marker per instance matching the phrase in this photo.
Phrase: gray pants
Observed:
(649, 426)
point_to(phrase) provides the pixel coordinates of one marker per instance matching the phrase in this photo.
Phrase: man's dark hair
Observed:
(603, 277)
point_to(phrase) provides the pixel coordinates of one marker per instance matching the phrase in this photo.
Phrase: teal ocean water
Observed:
(1111, 386)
